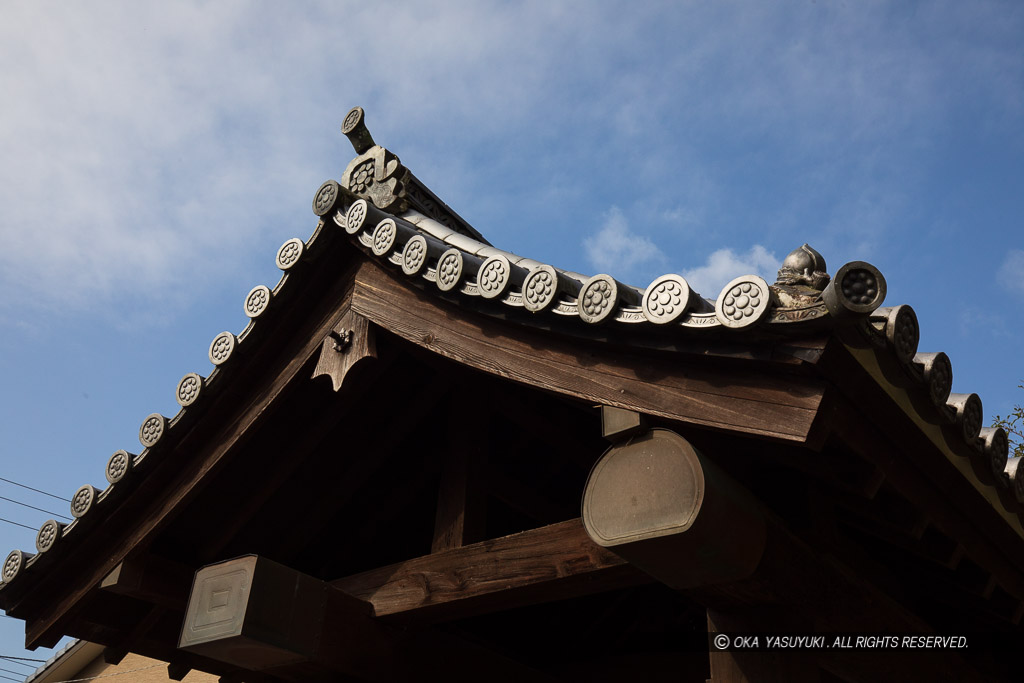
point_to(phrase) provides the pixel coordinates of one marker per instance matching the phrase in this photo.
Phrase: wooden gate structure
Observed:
(426, 458)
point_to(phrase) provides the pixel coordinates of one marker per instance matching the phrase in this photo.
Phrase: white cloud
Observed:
(616, 249)
(146, 146)
(973, 323)
(149, 147)
(724, 265)
(1011, 272)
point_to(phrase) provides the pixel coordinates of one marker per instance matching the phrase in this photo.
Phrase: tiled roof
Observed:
(383, 210)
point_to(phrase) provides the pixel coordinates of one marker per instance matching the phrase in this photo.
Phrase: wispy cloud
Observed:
(725, 264)
(149, 147)
(1011, 272)
(974, 323)
(616, 249)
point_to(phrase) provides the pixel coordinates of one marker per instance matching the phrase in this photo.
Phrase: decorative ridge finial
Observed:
(378, 176)
(354, 128)
(804, 266)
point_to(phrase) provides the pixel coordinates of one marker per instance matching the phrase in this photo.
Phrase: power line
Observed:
(31, 666)
(115, 673)
(17, 502)
(11, 671)
(23, 526)
(16, 680)
(26, 659)
(66, 500)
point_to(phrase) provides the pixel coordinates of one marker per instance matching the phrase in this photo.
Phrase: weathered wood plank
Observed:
(745, 399)
(541, 565)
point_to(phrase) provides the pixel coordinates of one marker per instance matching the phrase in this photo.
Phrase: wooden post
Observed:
(459, 517)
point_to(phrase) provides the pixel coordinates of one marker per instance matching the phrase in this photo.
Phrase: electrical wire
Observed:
(11, 671)
(66, 500)
(18, 502)
(116, 673)
(31, 666)
(27, 659)
(23, 526)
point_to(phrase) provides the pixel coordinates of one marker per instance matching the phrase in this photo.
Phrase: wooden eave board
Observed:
(751, 401)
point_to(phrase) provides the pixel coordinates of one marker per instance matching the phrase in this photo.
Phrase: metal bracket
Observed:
(342, 339)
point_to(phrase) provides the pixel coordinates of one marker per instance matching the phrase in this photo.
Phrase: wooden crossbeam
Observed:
(264, 617)
(551, 563)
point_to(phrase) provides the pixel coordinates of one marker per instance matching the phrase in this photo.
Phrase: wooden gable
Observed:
(400, 469)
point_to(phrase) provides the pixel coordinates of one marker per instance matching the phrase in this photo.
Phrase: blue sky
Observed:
(154, 156)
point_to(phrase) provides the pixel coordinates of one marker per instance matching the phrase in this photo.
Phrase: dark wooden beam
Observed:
(747, 399)
(151, 579)
(259, 615)
(264, 617)
(551, 563)
(459, 516)
(662, 505)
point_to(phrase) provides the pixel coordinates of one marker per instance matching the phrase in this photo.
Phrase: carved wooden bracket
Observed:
(351, 340)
